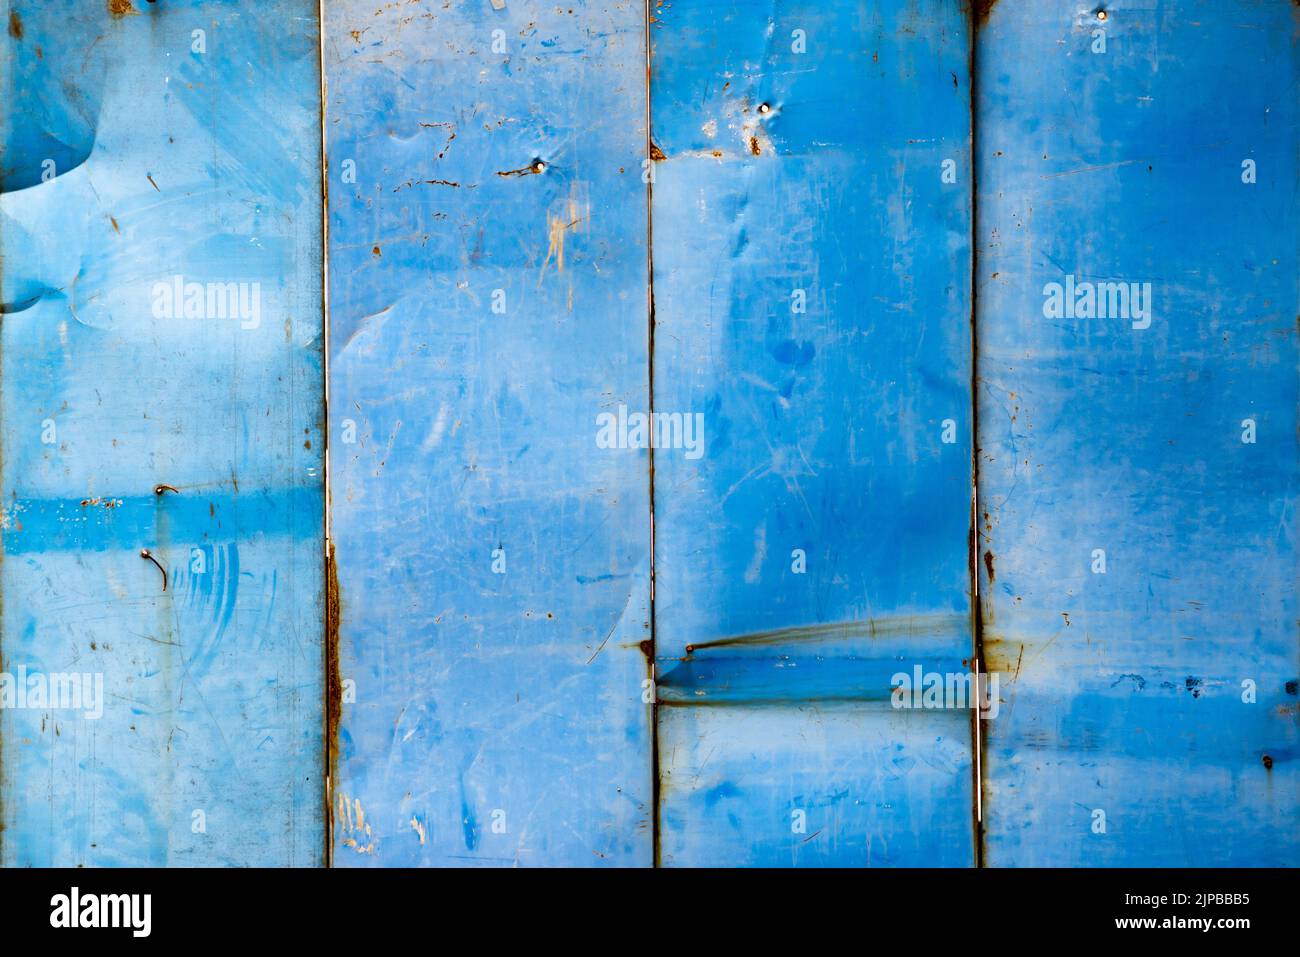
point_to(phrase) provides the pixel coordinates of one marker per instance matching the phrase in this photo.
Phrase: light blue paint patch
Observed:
(815, 786)
(163, 163)
(1143, 598)
(493, 561)
(812, 276)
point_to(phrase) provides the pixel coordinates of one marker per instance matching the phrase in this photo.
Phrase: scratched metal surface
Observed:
(1124, 737)
(778, 743)
(166, 162)
(490, 612)
(488, 718)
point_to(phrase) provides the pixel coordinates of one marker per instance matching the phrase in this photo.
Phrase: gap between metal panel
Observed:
(329, 646)
(977, 615)
(650, 399)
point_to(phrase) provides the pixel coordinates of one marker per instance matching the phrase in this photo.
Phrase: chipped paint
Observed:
(557, 228)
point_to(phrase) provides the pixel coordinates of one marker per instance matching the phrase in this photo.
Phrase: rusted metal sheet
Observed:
(161, 472)
(488, 299)
(811, 221)
(1137, 344)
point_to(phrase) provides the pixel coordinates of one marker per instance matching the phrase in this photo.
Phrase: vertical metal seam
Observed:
(977, 612)
(650, 399)
(329, 597)
(8, 65)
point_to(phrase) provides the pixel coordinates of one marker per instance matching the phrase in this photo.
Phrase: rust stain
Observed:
(533, 168)
(149, 177)
(451, 135)
(426, 182)
(106, 502)
(1268, 763)
(15, 25)
(122, 8)
(333, 693)
(998, 649)
(881, 627)
(988, 565)
(982, 10)
(656, 153)
(754, 147)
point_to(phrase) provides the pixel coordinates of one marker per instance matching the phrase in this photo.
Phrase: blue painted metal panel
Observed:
(1138, 469)
(493, 625)
(488, 297)
(136, 150)
(812, 277)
